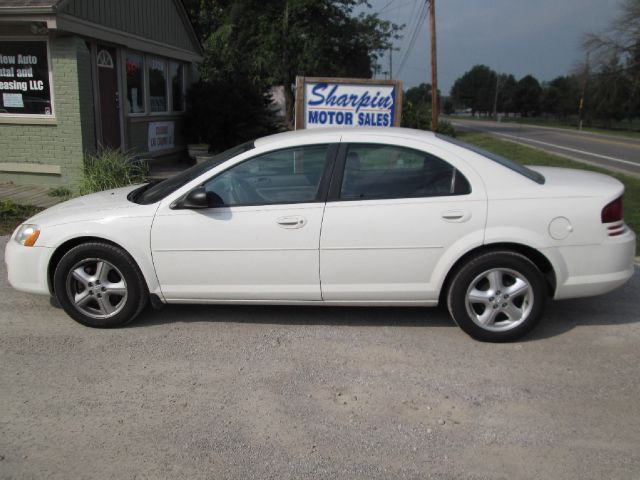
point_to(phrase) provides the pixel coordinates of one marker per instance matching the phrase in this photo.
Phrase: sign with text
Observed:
(24, 78)
(338, 102)
(161, 136)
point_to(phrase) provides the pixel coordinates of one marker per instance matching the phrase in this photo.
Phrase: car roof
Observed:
(322, 135)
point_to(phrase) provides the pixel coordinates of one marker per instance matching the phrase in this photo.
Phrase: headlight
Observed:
(27, 235)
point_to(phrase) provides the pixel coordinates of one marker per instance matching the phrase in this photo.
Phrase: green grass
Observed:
(531, 156)
(12, 215)
(60, 192)
(572, 126)
(567, 126)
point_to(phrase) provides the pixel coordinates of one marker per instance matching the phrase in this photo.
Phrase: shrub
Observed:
(419, 116)
(445, 128)
(226, 112)
(108, 168)
(60, 192)
(416, 116)
(13, 214)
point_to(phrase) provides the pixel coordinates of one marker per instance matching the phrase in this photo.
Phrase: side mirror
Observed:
(200, 198)
(196, 198)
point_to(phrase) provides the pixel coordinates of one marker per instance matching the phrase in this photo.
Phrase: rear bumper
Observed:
(596, 269)
(27, 267)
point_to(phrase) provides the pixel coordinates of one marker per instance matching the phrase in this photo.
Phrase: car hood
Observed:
(91, 207)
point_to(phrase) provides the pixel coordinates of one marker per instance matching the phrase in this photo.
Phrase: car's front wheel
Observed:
(497, 296)
(99, 285)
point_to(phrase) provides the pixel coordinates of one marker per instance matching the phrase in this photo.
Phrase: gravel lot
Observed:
(283, 392)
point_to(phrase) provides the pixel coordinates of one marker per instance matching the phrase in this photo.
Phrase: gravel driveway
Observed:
(288, 392)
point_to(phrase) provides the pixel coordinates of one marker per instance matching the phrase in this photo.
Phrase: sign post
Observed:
(347, 102)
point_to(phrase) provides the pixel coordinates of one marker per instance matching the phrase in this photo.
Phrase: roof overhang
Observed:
(52, 17)
(68, 23)
(49, 20)
(25, 11)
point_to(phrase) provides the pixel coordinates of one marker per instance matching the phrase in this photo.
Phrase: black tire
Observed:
(122, 275)
(495, 271)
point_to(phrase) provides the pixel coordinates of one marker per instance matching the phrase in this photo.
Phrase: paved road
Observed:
(610, 151)
(321, 393)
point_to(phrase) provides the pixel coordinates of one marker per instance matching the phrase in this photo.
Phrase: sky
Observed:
(538, 37)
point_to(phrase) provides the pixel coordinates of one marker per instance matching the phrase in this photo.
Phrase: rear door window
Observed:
(385, 171)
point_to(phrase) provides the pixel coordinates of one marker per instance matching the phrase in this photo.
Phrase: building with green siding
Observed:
(76, 75)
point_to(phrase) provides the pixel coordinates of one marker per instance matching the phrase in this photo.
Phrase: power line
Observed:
(407, 40)
(421, 17)
(385, 7)
(413, 22)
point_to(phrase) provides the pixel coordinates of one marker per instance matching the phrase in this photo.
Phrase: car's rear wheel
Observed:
(497, 296)
(99, 285)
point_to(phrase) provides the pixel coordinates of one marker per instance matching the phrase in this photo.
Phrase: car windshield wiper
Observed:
(135, 194)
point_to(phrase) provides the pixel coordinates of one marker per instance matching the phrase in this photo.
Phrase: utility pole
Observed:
(391, 62)
(584, 90)
(434, 66)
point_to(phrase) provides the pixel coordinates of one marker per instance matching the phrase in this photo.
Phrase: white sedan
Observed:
(336, 217)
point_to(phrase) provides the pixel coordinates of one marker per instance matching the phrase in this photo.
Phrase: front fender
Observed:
(132, 234)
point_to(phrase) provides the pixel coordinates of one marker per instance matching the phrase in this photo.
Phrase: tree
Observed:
(609, 94)
(419, 95)
(507, 85)
(561, 96)
(476, 89)
(270, 43)
(448, 107)
(620, 39)
(615, 54)
(527, 96)
(225, 112)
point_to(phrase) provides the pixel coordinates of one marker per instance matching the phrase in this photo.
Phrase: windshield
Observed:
(152, 193)
(505, 162)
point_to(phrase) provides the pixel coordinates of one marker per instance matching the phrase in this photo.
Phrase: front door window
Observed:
(284, 176)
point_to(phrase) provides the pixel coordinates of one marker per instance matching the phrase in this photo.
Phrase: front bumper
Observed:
(27, 267)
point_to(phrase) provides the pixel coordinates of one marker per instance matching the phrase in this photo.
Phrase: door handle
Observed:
(458, 216)
(292, 222)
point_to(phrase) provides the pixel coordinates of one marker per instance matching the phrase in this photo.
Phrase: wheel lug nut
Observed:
(506, 296)
(99, 295)
(104, 289)
(491, 299)
(90, 284)
(504, 305)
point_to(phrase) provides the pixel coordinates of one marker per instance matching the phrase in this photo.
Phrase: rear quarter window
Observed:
(505, 162)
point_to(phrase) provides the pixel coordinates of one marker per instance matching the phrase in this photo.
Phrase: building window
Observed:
(177, 86)
(25, 83)
(104, 59)
(158, 85)
(135, 83)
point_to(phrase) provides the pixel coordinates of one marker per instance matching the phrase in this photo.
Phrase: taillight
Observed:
(612, 212)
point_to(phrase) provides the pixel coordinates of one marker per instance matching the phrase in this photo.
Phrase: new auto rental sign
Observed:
(346, 102)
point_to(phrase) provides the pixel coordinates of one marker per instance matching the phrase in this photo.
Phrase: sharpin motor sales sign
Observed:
(340, 102)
